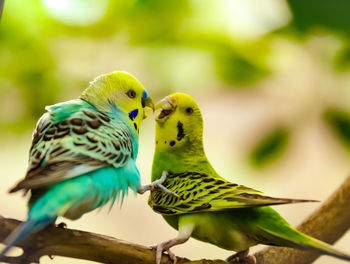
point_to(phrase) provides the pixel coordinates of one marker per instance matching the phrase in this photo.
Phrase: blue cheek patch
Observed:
(144, 94)
(133, 114)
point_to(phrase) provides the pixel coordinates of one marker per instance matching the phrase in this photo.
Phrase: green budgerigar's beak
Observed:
(168, 105)
(147, 103)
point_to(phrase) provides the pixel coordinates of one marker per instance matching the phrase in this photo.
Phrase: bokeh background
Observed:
(272, 78)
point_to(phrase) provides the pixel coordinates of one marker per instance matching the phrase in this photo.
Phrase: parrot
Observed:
(210, 208)
(83, 153)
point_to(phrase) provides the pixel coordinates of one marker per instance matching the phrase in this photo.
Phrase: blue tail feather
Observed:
(23, 231)
(104, 184)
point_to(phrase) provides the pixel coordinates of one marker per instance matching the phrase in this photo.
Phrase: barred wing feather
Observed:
(199, 192)
(84, 141)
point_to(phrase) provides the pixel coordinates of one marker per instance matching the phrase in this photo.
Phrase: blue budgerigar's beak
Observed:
(146, 103)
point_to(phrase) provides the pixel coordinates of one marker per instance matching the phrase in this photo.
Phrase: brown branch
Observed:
(328, 223)
(56, 241)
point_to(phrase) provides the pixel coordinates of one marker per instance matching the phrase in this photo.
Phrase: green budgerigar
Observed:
(83, 153)
(210, 208)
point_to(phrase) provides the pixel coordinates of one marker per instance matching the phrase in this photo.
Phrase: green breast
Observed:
(179, 163)
(221, 229)
(172, 220)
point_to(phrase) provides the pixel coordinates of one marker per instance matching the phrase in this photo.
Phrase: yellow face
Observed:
(119, 90)
(179, 123)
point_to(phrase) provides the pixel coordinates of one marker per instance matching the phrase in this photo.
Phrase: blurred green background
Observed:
(272, 78)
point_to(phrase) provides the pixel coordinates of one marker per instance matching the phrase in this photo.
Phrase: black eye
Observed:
(131, 93)
(189, 110)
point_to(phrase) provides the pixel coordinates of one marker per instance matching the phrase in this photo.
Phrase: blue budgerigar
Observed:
(83, 153)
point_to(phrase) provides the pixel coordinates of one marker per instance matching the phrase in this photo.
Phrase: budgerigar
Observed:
(83, 153)
(210, 208)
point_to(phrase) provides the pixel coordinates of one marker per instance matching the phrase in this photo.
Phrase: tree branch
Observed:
(57, 241)
(328, 223)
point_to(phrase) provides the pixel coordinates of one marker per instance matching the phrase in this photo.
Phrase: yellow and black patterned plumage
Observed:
(200, 192)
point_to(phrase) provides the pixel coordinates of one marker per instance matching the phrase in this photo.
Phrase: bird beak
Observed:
(147, 103)
(167, 106)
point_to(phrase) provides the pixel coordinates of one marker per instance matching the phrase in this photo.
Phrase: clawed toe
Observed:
(172, 256)
(152, 247)
(157, 185)
(62, 225)
(241, 258)
(160, 249)
(185, 232)
(246, 260)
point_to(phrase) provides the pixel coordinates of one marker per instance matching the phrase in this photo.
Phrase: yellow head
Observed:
(119, 91)
(179, 124)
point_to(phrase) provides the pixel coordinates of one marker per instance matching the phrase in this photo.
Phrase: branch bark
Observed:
(57, 241)
(328, 223)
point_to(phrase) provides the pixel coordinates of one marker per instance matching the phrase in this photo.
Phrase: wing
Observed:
(84, 141)
(199, 192)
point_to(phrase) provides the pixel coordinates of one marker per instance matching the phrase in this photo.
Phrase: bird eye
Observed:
(131, 93)
(189, 110)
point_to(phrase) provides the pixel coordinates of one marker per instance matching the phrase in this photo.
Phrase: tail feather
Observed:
(23, 231)
(290, 237)
(321, 247)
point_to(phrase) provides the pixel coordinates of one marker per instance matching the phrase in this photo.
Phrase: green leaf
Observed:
(310, 14)
(237, 70)
(342, 59)
(270, 148)
(340, 122)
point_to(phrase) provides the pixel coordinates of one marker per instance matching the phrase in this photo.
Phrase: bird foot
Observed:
(62, 225)
(160, 248)
(242, 257)
(157, 185)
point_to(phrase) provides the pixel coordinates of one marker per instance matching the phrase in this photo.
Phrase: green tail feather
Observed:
(290, 237)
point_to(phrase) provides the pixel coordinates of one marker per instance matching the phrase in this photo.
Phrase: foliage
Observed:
(270, 147)
(46, 57)
(340, 122)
